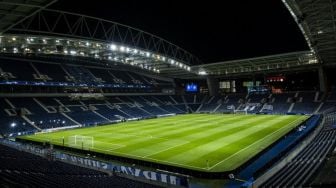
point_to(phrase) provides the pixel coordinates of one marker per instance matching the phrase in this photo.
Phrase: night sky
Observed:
(212, 30)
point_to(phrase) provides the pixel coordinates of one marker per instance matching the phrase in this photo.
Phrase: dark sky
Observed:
(211, 30)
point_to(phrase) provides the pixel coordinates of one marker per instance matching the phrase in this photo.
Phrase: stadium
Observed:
(89, 102)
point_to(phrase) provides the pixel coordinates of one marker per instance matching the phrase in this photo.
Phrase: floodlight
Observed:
(113, 47)
(13, 124)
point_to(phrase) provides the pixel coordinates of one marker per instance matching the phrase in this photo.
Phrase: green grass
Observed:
(188, 141)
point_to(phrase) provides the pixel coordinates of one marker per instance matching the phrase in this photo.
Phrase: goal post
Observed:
(80, 141)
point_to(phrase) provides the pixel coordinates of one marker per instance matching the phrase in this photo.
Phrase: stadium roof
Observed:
(272, 63)
(317, 21)
(137, 48)
(14, 11)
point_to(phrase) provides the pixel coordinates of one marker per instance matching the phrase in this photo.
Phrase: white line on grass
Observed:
(135, 135)
(155, 160)
(113, 148)
(118, 146)
(174, 163)
(166, 149)
(253, 144)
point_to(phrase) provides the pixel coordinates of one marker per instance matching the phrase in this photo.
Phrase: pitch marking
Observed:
(252, 144)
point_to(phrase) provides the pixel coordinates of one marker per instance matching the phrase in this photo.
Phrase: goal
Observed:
(79, 141)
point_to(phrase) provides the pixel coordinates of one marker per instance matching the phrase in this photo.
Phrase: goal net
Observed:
(79, 141)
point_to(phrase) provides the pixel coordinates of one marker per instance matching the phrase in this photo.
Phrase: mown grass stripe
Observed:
(185, 140)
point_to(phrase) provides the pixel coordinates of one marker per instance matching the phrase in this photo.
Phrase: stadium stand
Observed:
(66, 72)
(11, 123)
(57, 74)
(281, 102)
(94, 72)
(300, 169)
(24, 73)
(211, 104)
(232, 102)
(51, 112)
(21, 169)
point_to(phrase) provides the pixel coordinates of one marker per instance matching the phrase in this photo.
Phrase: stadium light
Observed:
(122, 48)
(202, 73)
(148, 54)
(13, 124)
(73, 52)
(113, 47)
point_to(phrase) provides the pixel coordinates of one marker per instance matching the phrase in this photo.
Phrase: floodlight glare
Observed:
(202, 73)
(13, 124)
(113, 47)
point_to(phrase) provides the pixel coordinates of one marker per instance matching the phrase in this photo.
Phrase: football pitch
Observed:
(203, 142)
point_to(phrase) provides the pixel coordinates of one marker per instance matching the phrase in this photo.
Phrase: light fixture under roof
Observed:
(113, 47)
